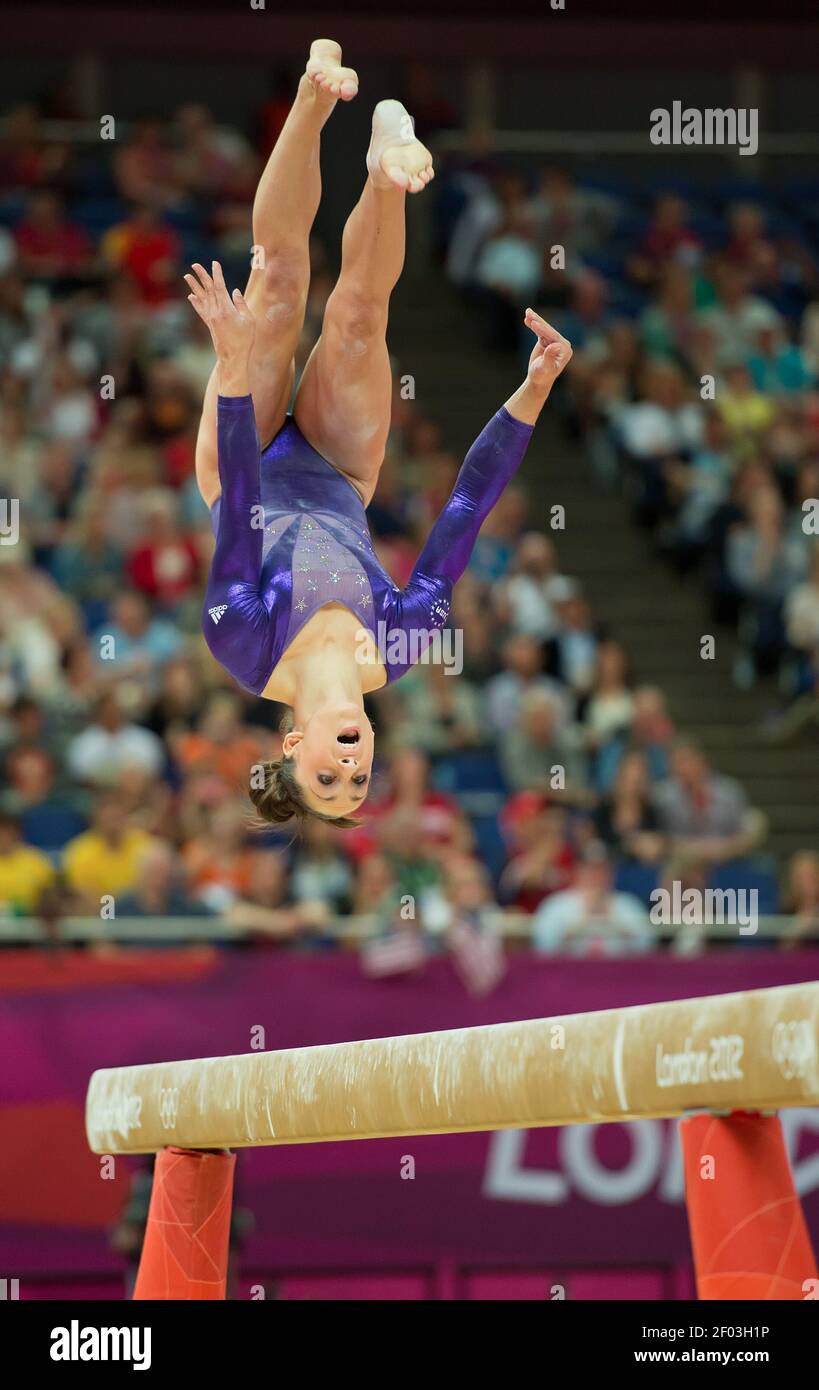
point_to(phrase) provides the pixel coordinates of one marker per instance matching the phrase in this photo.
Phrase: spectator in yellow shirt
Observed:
(24, 872)
(105, 859)
(747, 412)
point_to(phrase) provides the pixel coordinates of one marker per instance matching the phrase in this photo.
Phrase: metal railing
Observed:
(350, 932)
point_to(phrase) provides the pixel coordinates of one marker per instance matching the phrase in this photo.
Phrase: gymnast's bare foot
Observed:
(395, 157)
(326, 73)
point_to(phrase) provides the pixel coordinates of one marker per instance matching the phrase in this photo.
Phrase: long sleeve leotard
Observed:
(292, 536)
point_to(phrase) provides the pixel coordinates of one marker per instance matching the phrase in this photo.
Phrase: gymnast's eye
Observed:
(325, 779)
(360, 781)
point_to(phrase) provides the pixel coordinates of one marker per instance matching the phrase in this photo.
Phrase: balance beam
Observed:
(756, 1051)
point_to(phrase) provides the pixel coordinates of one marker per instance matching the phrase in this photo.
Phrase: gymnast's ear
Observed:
(291, 741)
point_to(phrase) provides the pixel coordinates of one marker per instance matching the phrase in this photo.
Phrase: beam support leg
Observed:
(185, 1251)
(748, 1232)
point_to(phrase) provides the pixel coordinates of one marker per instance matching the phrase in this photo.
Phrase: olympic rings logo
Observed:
(793, 1048)
(168, 1106)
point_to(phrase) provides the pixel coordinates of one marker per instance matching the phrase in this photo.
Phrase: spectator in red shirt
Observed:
(146, 250)
(542, 859)
(437, 815)
(668, 240)
(165, 566)
(50, 247)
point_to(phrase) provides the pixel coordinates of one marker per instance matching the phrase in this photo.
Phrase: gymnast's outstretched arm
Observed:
(238, 624)
(491, 462)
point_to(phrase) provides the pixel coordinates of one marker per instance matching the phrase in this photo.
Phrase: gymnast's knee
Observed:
(357, 318)
(279, 291)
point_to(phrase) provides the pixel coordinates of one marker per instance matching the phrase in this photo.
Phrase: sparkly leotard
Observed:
(292, 536)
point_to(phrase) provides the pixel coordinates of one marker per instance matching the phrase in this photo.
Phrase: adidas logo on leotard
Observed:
(217, 612)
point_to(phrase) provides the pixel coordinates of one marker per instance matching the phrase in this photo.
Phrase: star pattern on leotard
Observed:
(365, 600)
(301, 605)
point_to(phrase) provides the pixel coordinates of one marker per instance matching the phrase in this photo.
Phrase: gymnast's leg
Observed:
(343, 402)
(285, 206)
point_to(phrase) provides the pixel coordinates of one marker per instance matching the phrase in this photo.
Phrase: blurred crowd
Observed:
(539, 780)
(694, 315)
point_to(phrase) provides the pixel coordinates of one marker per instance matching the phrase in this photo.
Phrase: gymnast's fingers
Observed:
(544, 330)
(219, 281)
(199, 306)
(193, 285)
(204, 279)
(242, 305)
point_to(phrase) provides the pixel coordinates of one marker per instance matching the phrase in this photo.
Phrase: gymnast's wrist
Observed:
(233, 376)
(526, 403)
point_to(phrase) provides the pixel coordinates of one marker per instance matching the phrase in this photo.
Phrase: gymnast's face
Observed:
(333, 754)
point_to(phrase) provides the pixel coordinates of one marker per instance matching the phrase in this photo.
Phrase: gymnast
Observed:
(296, 596)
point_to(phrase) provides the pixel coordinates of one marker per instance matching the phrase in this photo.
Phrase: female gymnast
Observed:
(296, 595)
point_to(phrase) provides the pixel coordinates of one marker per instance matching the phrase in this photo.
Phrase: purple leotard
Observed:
(292, 535)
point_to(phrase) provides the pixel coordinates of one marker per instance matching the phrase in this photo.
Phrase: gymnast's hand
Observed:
(230, 321)
(550, 354)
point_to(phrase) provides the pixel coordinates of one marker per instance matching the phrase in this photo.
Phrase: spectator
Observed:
(777, 367)
(111, 745)
(145, 167)
(576, 644)
(25, 873)
(440, 713)
(266, 911)
(542, 857)
(50, 247)
(533, 588)
(48, 817)
(763, 563)
(87, 565)
(536, 755)
(738, 317)
(147, 250)
(165, 564)
(627, 821)
(157, 890)
(219, 861)
(522, 672)
(509, 272)
(134, 644)
(610, 706)
(103, 863)
(800, 898)
(669, 241)
(592, 919)
(321, 872)
(704, 814)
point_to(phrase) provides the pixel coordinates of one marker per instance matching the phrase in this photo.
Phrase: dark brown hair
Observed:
(281, 799)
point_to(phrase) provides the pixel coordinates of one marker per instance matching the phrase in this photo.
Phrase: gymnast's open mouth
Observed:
(349, 737)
